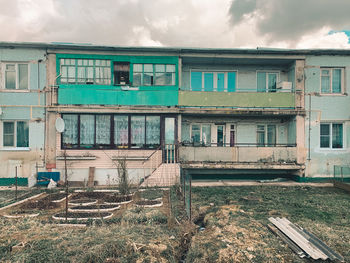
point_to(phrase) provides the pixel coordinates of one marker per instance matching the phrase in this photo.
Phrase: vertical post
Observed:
(66, 182)
(190, 208)
(16, 184)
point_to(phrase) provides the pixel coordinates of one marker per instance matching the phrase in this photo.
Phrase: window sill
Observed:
(14, 91)
(332, 150)
(15, 149)
(334, 94)
(76, 158)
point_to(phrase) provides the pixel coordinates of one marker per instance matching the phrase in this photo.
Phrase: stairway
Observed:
(167, 174)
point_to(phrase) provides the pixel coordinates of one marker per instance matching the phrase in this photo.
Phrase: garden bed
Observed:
(117, 199)
(149, 203)
(94, 208)
(82, 202)
(80, 216)
(41, 204)
(90, 195)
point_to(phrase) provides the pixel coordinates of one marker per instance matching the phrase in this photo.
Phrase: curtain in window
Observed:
(121, 135)
(148, 74)
(103, 129)
(336, 81)
(325, 81)
(231, 81)
(152, 131)
(271, 135)
(70, 134)
(337, 135)
(206, 134)
(22, 134)
(261, 82)
(324, 136)
(87, 130)
(220, 82)
(23, 76)
(208, 82)
(261, 135)
(137, 131)
(10, 77)
(9, 134)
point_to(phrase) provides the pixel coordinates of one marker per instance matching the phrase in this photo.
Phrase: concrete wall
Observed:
(326, 108)
(24, 105)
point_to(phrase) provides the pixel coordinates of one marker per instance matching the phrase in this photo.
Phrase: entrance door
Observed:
(169, 140)
(220, 135)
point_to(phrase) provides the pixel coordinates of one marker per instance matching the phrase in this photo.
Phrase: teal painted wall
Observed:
(114, 95)
(326, 108)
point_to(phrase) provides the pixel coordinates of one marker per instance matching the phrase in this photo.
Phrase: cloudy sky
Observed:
(181, 23)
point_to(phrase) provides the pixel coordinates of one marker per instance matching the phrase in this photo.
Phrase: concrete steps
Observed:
(167, 174)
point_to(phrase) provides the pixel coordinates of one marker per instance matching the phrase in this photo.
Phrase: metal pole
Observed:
(16, 184)
(66, 182)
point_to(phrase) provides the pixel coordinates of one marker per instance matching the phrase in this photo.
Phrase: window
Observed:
(154, 74)
(266, 135)
(121, 73)
(331, 135)
(267, 81)
(331, 80)
(106, 131)
(85, 71)
(201, 134)
(15, 134)
(213, 81)
(16, 76)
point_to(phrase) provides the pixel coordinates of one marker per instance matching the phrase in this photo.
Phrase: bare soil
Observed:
(91, 195)
(148, 202)
(41, 204)
(117, 198)
(82, 214)
(100, 206)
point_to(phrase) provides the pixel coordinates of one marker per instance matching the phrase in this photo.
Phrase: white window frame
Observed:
(342, 81)
(201, 132)
(277, 72)
(215, 78)
(17, 76)
(14, 147)
(266, 144)
(330, 123)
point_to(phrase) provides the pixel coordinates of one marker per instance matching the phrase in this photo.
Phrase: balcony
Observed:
(240, 157)
(284, 100)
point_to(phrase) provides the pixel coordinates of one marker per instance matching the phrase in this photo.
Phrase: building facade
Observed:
(212, 113)
(22, 111)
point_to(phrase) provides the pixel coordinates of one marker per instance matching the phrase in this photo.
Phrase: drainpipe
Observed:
(309, 139)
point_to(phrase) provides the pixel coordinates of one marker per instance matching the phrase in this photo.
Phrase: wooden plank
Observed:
(91, 176)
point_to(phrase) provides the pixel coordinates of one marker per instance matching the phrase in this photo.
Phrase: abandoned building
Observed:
(212, 113)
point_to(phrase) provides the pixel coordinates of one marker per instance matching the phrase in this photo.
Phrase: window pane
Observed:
(196, 81)
(81, 74)
(103, 129)
(272, 79)
(325, 81)
(170, 68)
(208, 81)
(71, 74)
(337, 136)
(137, 79)
(70, 134)
(148, 79)
(121, 135)
(152, 131)
(148, 68)
(196, 136)
(87, 131)
(137, 67)
(206, 134)
(261, 135)
(22, 134)
(336, 81)
(10, 82)
(271, 135)
(324, 138)
(161, 79)
(137, 131)
(169, 135)
(231, 81)
(160, 68)
(220, 82)
(23, 76)
(261, 82)
(9, 131)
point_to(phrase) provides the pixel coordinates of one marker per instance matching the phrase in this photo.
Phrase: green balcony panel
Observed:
(237, 99)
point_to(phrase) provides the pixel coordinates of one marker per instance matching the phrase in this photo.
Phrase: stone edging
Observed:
(81, 219)
(94, 210)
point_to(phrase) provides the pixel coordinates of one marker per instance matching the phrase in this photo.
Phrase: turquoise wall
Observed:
(114, 95)
(326, 108)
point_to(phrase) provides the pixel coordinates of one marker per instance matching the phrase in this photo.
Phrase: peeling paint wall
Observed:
(23, 105)
(326, 108)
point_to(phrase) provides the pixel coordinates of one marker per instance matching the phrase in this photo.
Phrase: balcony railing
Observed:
(242, 153)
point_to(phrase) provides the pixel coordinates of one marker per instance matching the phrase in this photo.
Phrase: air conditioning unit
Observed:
(284, 86)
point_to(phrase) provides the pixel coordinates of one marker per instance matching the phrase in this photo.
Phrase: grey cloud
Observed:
(291, 19)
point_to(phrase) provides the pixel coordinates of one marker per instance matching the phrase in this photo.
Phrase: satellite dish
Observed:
(59, 125)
